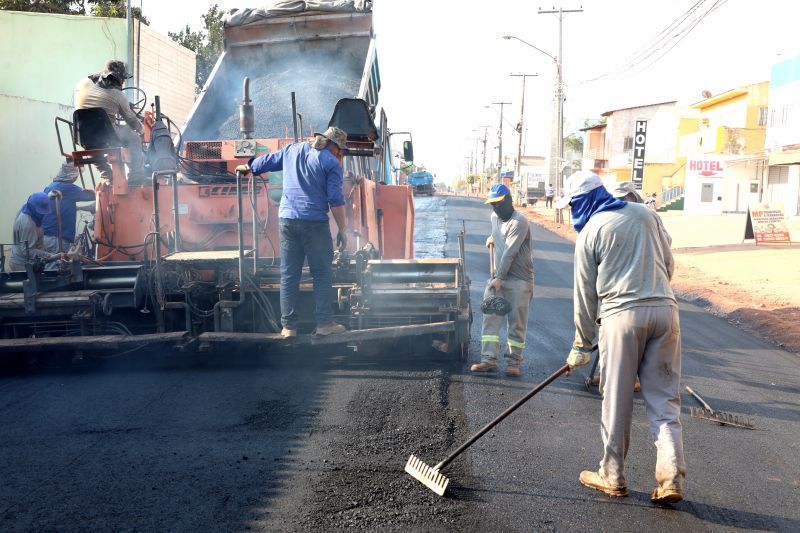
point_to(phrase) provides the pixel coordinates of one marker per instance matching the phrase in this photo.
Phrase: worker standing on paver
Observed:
(312, 184)
(71, 194)
(623, 263)
(513, 281)
(104, 91)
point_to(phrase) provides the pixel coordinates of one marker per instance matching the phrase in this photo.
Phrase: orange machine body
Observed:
(380, 214)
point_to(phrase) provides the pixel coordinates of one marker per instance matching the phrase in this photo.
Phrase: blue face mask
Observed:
(586, 204)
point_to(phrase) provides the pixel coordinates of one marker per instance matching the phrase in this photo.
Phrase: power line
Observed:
(665, 40)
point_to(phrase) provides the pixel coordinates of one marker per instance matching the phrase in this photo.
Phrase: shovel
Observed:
(433, 478)
(494, 305)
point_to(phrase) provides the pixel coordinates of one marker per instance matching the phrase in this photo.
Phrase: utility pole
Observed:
(500, 141)
(559, 144)
(520, 129)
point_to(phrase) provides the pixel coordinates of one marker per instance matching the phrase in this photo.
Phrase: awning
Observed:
(788, 157)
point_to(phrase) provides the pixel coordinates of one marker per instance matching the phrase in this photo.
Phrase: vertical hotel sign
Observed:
(639, 138)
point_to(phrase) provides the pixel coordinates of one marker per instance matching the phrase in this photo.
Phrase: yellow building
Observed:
(721, 150)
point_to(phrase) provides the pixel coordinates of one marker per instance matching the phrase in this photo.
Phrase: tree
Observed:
(574, 143)
(97, 8)
(206, 43)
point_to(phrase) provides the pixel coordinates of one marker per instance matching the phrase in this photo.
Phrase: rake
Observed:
(432, 477)
(721, 417)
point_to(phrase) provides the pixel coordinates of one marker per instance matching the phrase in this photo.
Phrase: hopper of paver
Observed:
(319, 56)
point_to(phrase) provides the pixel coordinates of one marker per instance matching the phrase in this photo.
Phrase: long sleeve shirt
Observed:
(90, 95)
(622, 260)
(512, 247)
(312, 180)
(25, 229)
(70, 195)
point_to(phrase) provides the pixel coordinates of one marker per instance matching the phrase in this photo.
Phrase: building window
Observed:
(628, 144)
(763, 114)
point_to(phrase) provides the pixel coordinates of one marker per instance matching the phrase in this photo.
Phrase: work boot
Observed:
(593, 480)
(288, 333)
(483, 367)
(666, 495)
(513, 371)
(329, 329)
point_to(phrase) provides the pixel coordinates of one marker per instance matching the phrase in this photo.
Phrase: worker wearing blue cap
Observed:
(513, 281)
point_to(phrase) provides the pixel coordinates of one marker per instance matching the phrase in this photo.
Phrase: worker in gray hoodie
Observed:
(28, 233)
(623, 268)
(513, 281)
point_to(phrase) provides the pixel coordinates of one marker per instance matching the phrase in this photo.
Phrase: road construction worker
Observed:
(623, 268)
(28, 234)
(70, 195)
(104, 90)
(312, 185)
(513, 281)
(627, 191)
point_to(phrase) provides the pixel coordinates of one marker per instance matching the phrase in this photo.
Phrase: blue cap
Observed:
(497, 193)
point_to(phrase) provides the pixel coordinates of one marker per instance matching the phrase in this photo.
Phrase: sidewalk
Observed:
(755, 287)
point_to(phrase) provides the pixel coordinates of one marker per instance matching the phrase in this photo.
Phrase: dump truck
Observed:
(189, 260)
(421, 182)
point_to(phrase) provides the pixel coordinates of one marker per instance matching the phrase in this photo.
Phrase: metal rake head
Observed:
(721, 417)
(426, 475)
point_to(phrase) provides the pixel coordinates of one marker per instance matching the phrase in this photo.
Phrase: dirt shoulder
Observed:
(755, 288)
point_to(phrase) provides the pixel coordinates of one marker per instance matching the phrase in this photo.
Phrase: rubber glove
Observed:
(244, 169)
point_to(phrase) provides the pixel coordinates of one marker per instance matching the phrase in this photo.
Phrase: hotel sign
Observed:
(639, 138)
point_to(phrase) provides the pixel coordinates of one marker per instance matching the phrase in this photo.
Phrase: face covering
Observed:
(586, 204)
(504, 208)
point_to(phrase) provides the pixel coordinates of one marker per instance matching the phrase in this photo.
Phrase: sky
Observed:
(443, 61)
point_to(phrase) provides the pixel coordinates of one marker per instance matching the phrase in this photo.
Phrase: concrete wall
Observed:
(167, 70)
(43, 56)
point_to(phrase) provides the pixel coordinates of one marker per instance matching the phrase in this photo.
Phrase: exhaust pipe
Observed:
(247, 120)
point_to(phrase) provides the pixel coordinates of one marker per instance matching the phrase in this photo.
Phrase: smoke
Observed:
(319, 72)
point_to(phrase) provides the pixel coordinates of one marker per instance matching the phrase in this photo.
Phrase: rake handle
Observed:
(699, 399)
(491, 259)
(563, 370)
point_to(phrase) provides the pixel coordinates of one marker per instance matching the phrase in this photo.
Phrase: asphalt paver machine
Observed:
(189, 258)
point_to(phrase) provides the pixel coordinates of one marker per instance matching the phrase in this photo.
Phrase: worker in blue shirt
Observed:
(71, 194)
(312, 184)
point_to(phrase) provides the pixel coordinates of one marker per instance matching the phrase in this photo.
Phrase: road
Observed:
(317, 441)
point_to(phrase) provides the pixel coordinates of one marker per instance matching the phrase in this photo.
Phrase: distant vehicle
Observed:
(421, 183)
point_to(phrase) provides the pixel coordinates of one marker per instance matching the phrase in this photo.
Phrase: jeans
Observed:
(306, 240)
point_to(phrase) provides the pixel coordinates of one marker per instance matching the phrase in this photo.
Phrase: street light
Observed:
(560, 112)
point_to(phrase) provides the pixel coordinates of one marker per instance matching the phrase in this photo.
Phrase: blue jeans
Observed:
(306, 240)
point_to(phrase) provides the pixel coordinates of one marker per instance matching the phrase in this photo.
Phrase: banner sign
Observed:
(766, 223)
(639, 138)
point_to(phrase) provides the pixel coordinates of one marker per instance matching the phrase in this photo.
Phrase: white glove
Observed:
(578, 357)
(489, 240)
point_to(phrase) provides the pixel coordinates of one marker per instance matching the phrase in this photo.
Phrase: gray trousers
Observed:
(519, 294)
(131, 140)
(647, 341)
